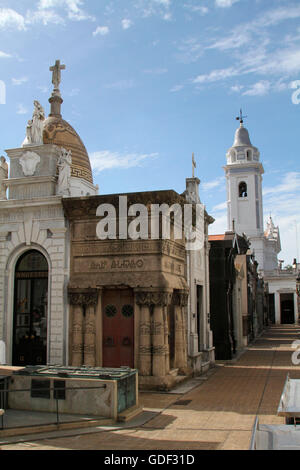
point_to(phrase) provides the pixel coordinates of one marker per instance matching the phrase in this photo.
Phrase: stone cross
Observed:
(194, 164)
(56, 74)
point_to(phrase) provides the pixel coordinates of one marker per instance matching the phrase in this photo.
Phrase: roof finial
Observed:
(56, 99)
(241, 118)
(56, 76)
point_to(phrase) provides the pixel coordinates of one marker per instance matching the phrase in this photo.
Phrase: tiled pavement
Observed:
(219, 413)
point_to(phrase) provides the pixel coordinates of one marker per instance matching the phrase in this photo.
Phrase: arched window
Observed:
(243, 189)
(249, 155)
(233, 156)
(30, 309)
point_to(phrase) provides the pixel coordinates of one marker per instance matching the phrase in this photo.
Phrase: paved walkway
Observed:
(217, 413)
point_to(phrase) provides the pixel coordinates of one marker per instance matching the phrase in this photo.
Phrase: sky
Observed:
(149, 82)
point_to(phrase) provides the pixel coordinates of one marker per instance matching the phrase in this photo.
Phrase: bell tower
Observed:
(244, 190)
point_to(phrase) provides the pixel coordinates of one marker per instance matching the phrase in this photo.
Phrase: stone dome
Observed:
(57, 131)
(242, 138)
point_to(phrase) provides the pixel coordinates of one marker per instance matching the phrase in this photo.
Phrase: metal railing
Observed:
(4, 399)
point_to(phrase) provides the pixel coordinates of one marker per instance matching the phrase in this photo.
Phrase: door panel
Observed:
(118, 328)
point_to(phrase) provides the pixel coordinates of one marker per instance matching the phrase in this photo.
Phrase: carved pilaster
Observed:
(158, 342)
(83, 303)
(77, 336)
(180, 300)
(167, 348)
(154, 349)
(145, 342)
(89, 336)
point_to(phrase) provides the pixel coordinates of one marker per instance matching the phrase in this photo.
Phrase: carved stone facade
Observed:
(153, 270)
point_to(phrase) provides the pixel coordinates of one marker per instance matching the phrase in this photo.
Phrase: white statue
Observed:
(34, 129)
(64, 172)
(3, 176)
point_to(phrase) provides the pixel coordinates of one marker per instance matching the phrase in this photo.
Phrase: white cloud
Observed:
(259, 89)
(107, 160)
(101, 30)
(149, 8)
(156, 71)
(10, 19)
(176, 88)
(216, 183)
(190, 50)
(290, 183)
(46, 12)
(44, 17)
(4, 55)
(216, 75)
(220, 207)
(277, 15)
(121, 85)
(219, 226)
(21, 109)
(237, 39)
(126, 23)
(44, 88)
(71, 7)
(236, 88)
(19, 81)
(196, 8)
(225, 3)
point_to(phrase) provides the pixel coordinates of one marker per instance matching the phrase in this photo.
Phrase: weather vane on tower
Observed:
(241, 117)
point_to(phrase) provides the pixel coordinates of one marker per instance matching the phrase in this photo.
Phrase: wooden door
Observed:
(118, 328)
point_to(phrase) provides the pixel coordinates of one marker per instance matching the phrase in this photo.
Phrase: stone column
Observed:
(89, 349)
(180, 299)
(167, 347)
(159, 347)
(277, 309)
(154, 347)
(77, 329)
(158, 343)
(83, 327)
(145, 334)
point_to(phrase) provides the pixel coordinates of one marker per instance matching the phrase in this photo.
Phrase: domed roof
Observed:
(242, 137)
(57, 131)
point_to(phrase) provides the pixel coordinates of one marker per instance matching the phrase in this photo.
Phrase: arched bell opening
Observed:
(243, 189)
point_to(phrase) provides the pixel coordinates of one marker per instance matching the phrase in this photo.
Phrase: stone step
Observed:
(129, 414)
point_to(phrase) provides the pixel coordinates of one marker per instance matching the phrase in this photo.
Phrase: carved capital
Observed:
(160, 298)
(84, 298)
(180, 298)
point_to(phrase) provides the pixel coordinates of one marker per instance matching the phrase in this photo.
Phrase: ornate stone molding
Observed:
(180, 298)
(160, 298)
(29, 162)
(86, 298)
